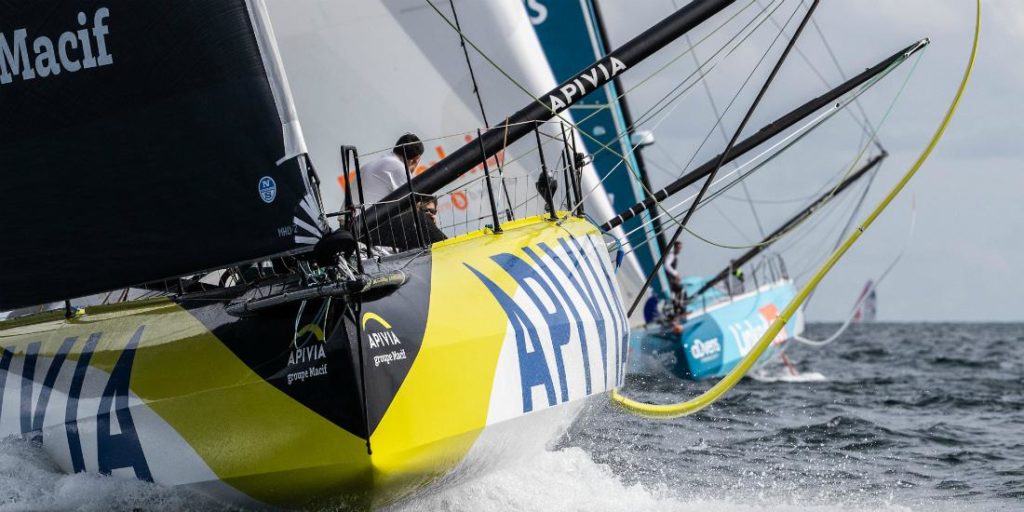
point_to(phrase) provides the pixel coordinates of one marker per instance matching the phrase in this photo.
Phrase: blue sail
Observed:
(571, 34)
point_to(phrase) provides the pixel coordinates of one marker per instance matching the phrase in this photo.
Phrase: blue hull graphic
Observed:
(716, 337)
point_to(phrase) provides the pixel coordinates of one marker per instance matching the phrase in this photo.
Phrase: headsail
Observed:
(572, 36)
(362, 98)
(141, 142)
(341, 59)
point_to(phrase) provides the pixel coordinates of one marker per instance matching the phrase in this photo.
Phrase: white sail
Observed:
(364, 72)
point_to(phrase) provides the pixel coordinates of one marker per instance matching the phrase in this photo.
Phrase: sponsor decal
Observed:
(747, 333)
(27, 56)
(384, 343)
(308, 354)
(116, 440)
(537, 11)
(586, 83)
(563, 296)
(268, 189)
(704, 350)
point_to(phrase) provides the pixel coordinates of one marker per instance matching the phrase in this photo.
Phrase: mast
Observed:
(792, 222)
(553, 102)
(765, 133)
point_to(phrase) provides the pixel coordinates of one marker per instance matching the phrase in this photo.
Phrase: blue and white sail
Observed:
(571, 33)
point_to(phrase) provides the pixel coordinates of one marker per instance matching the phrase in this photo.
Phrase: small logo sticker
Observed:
(268, 189)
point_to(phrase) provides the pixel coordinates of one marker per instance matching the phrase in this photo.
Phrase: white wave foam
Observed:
(569, 480)
(30, 481)
(564, 480)
(784, 375)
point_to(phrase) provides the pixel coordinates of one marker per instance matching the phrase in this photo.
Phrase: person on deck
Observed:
(386, 174)
(671, 262)
(400, 232)
(675, 283)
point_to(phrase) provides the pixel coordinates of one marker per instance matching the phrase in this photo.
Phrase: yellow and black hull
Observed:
(482, 355)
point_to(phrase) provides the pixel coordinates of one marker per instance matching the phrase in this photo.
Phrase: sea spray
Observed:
(30, 481)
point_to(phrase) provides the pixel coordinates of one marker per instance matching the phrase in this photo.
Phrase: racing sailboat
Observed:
(699, 327)
(240, 347)
(707, 330)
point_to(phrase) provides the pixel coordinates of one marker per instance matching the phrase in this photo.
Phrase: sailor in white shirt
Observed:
(386, 174)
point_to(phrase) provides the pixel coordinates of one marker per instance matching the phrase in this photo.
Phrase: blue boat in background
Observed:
(706, 332)
(721, 325)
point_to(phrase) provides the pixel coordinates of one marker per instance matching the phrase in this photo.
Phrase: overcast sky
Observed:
(962, 263)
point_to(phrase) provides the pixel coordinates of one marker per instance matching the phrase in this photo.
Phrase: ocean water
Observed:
(891, 417)
(916, 417)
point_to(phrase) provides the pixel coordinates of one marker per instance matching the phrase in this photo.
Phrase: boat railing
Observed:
(768, 269)
(487, 196)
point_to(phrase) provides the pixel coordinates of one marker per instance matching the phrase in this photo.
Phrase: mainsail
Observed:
(142, 141)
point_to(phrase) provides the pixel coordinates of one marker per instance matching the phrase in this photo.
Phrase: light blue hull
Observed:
(715, 337)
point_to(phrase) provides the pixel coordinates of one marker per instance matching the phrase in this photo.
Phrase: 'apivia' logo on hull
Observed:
(385, 345)
(107, 423)
(68, 52)
(568, 327)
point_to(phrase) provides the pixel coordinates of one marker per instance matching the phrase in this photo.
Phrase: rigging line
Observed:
(816, 122)
(529, 94)
(842, 74)
(763, 243)
(809, 260)
(469, 64)
(675, 93)
(729, 381)
(739, 91)
(725, 136)
(675, 99)
(725, 153)
(874, 285)
(476, 89)
(582, 132)
(729, 220)
(853, 216)
(786, 142)
(853, 164)
(812, 227)
(800, 199)
(637, 124)
(863, 124)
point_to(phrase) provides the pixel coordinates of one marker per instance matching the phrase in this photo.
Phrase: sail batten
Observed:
(160, 163)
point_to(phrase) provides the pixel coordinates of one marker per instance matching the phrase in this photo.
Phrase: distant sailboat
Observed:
(867, 310)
